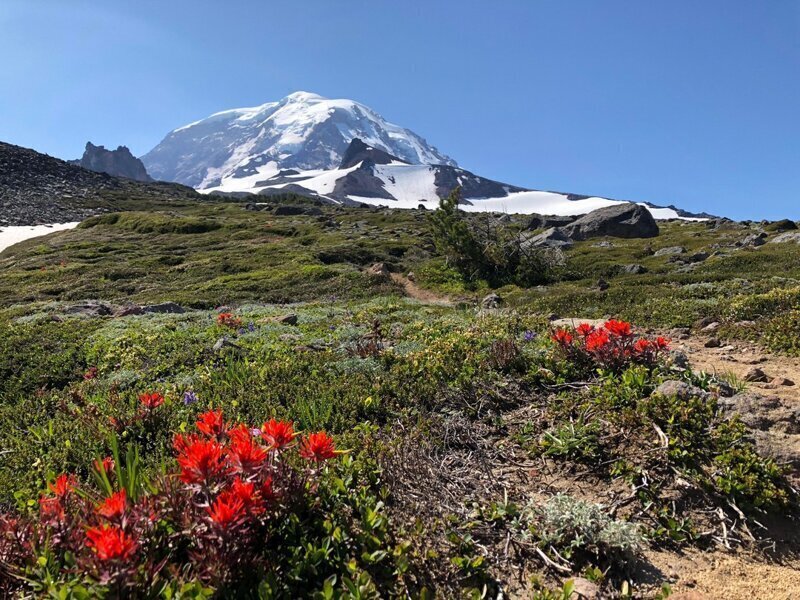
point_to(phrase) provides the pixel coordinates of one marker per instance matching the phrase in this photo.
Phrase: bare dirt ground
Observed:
(738, 358)
(735, 576)
(412, 290)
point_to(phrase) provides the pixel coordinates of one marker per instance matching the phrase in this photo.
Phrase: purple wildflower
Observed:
(189, 397)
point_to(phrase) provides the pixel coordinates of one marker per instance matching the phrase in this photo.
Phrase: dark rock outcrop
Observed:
(358, 152)
(37, 188)
(619, 220)
(119, 162)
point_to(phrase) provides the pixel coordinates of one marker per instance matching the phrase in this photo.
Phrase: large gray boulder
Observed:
(790, 237)
(627, 220)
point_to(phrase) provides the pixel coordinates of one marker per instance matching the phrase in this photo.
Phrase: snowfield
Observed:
(414, 185)
(14, 234)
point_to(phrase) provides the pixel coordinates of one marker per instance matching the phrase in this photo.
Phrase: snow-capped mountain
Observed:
(338, 151)
(302, 131)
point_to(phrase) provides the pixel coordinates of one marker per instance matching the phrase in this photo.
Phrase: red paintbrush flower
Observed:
(244, 452)
(105, 465)
(278, 434)
(200, 460)
(317, 447)
(662, 343)
(584, 329)
(62, 485)
(211, 423)
(620, 328)
(642, 345)
(227, 319)
(114, 506)
(227, 509)
(597, 340)
(267, 489)
(247, 493)
(151, 400)
(110, 542)
(562, 336)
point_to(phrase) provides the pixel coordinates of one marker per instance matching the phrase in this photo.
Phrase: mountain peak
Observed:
(301, 96)
(303, 131)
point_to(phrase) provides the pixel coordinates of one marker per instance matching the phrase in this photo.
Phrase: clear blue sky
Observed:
(694, 103)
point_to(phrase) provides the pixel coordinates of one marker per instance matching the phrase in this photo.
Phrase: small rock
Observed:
(697, 257)
(90, 309)
(411, 277)
(583, 589)
(703, 322)
(290, 319)
(635, 269)
(670, 250)
(224, 342)
(378, 270)
(679, 359)
(164, 308)
(712, 343)
(491, 301)
(128, 310)
(755, 375)
(778, 381)
(711, 327)
(602, 285)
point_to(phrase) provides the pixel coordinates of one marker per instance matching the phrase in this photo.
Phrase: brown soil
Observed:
(412, 290)
(735, 576)
(740, 357)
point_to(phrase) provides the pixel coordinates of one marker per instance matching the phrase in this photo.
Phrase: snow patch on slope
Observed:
(15, 234)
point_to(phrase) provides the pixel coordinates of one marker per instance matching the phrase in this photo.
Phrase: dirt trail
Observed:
(412, 290)
(735, 576)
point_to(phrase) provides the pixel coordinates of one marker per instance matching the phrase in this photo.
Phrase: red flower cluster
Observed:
(232, 487)
(110, 543)
(151, 400)
(90, 374)
(613, 345)
(227, 319)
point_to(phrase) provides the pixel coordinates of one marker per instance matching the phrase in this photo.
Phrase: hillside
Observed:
(489, 447)
(37, 188)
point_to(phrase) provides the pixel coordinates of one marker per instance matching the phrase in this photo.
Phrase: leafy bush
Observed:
(755, 306)
(480, 248)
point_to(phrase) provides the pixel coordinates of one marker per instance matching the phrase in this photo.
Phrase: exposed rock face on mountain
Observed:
(302, 131)
(36, 188)
(368, 173)
(119, 162)
(358, 152)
